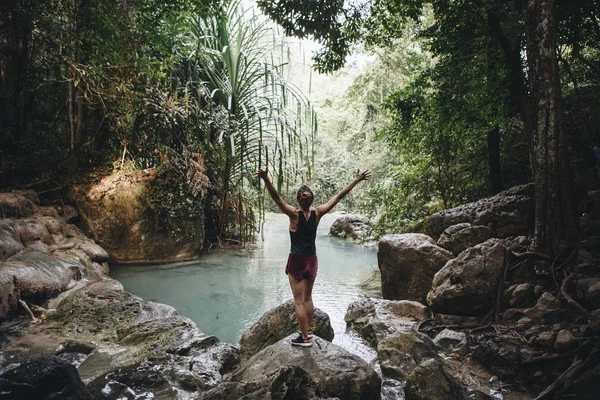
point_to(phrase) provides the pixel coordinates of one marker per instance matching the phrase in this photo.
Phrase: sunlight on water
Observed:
(224, 292)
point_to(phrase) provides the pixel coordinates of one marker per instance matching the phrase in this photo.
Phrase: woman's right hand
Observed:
(362, 176)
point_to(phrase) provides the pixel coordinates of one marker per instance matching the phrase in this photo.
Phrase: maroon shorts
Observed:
(302, 267)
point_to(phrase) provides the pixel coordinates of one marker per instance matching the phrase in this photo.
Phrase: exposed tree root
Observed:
(567, 296)
(575, 369)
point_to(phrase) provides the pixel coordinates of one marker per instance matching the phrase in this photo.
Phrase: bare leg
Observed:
(308, 303)
(297, 290)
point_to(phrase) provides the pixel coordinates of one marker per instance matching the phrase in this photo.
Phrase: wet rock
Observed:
(47, 378)
(31, 230)
(501, 354)
(38, 276)
(408, 263)
(10, 244)
(239, 390)
(52, 224)
(325, 367)
(450, 341)
(429, 381)
(351, 226)
(9, 296)
(467, 284)
(18, 204)
(508, 213)
(374, 319)
(39, 247)
(458, 238)
(93, 251)
(400, 353)
(278, 323)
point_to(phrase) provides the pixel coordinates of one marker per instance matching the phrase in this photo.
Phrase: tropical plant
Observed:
(271, 123)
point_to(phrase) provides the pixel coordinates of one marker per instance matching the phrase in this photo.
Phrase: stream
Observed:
(226, 291)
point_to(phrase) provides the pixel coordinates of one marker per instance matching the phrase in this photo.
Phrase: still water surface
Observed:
(226, 291)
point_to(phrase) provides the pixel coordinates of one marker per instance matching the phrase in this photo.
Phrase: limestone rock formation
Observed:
(408, 263)
(374, 319)
(351, 226)
(468, 284)
(508, 213)
(324, 369)
(137, 217)
(460, 237)
(278, 323)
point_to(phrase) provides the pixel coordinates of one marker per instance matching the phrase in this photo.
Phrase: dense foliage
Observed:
(193, 87)
(468, 124)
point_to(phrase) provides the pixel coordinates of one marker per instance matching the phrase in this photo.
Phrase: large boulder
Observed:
(468, 284)
(47, 378)
(324, 368)
(10, 243)
(408, 263)
(141, 216)
(508, 213)
(351, 226)
(375, 319)
(460, 237)
(38, 276)
(9, 295)
(278, 323)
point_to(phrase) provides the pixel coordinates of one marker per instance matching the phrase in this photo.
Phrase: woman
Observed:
(302, 261)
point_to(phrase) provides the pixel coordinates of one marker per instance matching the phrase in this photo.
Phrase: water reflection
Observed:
(226, 291)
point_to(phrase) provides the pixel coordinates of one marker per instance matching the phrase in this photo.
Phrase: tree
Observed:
(462, 33)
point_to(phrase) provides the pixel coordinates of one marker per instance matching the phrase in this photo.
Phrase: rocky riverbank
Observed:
(524, 322)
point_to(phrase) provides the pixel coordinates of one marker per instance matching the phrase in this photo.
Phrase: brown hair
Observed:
(305, 188)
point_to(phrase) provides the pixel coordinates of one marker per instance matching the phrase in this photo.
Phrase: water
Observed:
(226, 291)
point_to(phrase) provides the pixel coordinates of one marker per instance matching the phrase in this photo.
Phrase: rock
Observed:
(375, 319)
(52, 224)
(93, 251)
(546, 309)
(324, 367)
(38, 276)
(564, 340)
(10, 244)
(544, 339)
(520, 294)
(458, 238)
(467, 284)
(450, 341)
(70, 214)
(508, 213)
(351, 226)
(408, 263)
(9, 295)
(18, 204)
(401, 352)
(31, 230)
(138, 216)
(47, 378)
(278, 323)
(501, 354)
(429, 381)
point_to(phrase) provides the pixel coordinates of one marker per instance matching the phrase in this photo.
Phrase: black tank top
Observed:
(303, 240)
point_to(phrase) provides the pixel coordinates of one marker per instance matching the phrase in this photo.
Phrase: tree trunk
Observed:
(493, 142)
(555, 222)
